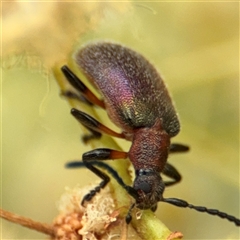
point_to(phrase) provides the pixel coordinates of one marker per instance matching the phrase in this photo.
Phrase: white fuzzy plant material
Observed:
(84, 222)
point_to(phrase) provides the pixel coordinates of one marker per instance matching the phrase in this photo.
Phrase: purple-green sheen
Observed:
(133, 91)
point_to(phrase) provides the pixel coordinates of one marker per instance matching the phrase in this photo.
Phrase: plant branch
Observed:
(27, 222)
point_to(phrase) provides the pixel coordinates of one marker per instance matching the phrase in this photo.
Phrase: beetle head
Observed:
(149, 187)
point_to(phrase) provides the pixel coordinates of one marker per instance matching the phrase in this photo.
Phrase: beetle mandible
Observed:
(137, 101)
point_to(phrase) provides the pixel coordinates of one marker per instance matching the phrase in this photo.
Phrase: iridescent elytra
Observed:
(137, 101)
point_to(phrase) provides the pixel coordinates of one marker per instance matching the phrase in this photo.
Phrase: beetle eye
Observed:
(145, 187)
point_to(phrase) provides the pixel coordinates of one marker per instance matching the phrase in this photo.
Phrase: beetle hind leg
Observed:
(84, 93)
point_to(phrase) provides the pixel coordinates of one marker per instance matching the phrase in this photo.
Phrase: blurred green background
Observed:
(195, 46)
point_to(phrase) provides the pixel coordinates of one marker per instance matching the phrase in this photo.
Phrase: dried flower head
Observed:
(88, 222)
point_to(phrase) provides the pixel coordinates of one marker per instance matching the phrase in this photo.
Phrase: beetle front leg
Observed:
(102, 175)
(95, 155)
(172, 173)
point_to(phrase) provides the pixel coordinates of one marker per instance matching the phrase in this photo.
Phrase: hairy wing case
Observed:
(134, 93)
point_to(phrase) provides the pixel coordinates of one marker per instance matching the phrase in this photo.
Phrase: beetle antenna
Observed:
(181, 203)
(110, 170)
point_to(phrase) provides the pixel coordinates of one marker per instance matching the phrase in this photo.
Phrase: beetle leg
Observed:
(88, 137)
(93, 125)
(72, 95)
(105, 179)
(103, 154)
(110, 170)
(171, 172)
(81, 88)
(100, 154)
(178, 147)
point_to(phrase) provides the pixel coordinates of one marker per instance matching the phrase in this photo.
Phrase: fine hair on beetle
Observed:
(137, 101)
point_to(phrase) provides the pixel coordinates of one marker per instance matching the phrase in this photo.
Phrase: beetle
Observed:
(137, 101)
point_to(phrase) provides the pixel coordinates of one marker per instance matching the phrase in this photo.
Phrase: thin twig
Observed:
(27, 222)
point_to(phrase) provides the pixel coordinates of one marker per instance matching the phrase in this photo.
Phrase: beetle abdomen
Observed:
(134, 93)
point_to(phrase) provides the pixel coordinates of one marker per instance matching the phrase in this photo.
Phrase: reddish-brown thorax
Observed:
(150, 148)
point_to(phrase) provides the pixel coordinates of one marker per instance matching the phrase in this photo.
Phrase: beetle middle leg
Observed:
(94, 126)
(80, 98)
(88, 137)
(178, 147)
(100, 154)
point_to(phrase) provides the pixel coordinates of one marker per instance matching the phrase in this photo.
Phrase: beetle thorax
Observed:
(150, 147)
